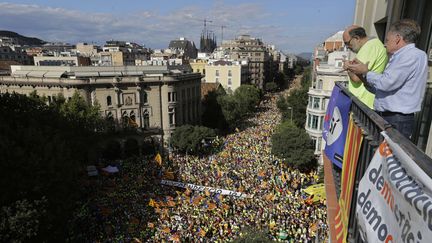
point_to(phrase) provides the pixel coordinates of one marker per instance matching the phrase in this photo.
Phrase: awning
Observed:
(54, 74)
(86, 74)
(37, 74)
(20, 73)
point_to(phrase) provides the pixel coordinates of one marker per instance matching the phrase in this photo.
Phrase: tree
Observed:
(297, 101)
(294, 146)
(250, 235)
(190, 139)
(49, 152)
(237, 106)
(271, 87)
(213, 116)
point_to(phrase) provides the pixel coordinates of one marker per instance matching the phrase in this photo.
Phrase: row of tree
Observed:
(290, 141)
(43, 152)
(222, 113)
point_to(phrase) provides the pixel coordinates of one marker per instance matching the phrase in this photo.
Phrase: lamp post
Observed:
(290, 108)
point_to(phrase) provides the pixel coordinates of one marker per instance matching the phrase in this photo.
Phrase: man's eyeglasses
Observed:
(348, 43)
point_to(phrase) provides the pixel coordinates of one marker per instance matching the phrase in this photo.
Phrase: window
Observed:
(321, 123)
(229, 73)
(316, 103)
(184, 113)
(320, 84)
(229, 82)
(146, 119)
(217, 73)
(172, 96)
(204, 71)
(132, 116)
(217, 80)
(145, 98)
(198, 70)
(108, 100)
(171, 115)
(314, 122)
(310, 102)
(125, 118)
(188, 93)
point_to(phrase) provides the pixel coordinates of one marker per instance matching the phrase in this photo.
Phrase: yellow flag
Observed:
(207, 193)
(158, 159)
(166, 230)
(202, 233)
(169, 175)
(211, 206)
(150, 225)
(151, 203)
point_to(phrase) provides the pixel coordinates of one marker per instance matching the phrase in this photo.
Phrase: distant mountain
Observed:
(305, 55)
(22, 40)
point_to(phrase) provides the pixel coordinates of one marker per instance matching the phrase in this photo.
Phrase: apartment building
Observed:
(245, 47)
(230, 74)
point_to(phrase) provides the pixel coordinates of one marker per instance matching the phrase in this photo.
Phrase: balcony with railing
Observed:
(372, 125)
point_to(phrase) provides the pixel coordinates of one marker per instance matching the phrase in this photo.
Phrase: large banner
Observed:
(394, 201)
(353, 143)
(335, 126)
(203, 188)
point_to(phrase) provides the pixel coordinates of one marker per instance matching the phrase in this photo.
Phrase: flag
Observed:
(207, 193)
(150, 225)
(197, 200)
(211, 206)
(188, 191)
(335, 126)
(225, 206)
(166, 230)
(354, 139)
(269, 197)
(152, 203)
(158, 159)
(202, 232)
(169, 175)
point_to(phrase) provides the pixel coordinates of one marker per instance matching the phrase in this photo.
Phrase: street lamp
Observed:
(290, 108)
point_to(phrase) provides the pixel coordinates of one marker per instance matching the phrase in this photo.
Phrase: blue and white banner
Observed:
(336, 126)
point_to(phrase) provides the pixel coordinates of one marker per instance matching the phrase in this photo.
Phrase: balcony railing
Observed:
(372, 125)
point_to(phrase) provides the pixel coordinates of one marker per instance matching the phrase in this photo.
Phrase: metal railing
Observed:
(372, 125)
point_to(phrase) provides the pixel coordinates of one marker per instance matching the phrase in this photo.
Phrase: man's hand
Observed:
(356, 67)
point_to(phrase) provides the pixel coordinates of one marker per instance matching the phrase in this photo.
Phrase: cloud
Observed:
(151, 28)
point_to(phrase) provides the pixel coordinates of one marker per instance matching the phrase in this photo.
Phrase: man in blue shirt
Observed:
(400, 89)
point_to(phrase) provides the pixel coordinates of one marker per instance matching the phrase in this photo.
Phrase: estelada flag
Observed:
(211, 206)
(158, 159)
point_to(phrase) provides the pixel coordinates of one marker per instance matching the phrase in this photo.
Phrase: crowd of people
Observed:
(137, 207)
(274, 200)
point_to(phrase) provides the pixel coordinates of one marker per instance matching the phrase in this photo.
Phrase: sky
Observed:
(293, 26)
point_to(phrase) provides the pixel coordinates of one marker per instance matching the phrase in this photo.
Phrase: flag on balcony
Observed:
(336, 126)
(353, 143)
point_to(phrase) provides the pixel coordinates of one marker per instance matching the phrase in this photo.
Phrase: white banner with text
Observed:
(203, 188)
(394, 200)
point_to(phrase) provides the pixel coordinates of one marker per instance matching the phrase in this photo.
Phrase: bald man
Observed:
(368, 50)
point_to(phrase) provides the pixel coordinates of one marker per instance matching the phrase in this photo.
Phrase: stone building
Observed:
(154, 99)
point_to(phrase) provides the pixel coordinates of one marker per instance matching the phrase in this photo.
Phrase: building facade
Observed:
(229, 74)
(151, 98)
(245, 47)
(327, 69)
